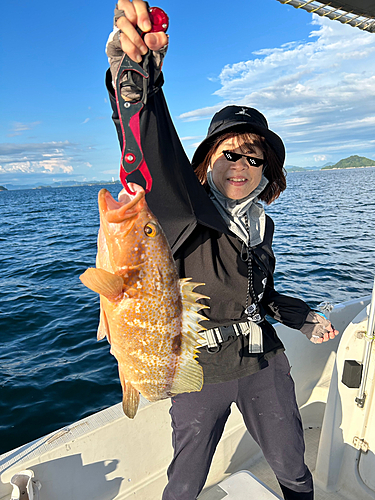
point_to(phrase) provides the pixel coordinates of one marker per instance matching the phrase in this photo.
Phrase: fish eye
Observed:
(151, 230)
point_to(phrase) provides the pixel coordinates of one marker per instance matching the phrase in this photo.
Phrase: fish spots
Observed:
(155, 354)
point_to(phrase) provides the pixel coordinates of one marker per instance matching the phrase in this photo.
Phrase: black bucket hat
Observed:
(231, 117)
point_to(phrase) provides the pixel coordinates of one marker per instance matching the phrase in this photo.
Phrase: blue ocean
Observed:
(54, 371)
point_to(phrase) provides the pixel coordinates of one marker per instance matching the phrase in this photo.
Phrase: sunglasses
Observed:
(253, 162)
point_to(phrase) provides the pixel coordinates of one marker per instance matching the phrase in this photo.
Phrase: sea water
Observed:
(54, 371)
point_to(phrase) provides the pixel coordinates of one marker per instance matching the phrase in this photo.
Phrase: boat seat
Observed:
(240, 486)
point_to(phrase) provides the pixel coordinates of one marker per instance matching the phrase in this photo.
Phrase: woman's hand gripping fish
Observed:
(149, 315)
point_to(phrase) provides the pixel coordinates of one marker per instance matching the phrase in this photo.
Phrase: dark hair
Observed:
(273, 168)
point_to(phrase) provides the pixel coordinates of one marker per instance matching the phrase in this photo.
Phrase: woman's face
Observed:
(235, 180)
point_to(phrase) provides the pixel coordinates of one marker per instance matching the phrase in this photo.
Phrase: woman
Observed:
(221, 236)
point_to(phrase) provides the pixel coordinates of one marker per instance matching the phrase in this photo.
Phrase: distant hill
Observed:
(2, 188)
(293, 168)
(354, 161)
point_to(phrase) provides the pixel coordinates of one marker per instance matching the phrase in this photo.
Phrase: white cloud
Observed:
(191, 138)
(42, 167)
(319, 92)
(18, 128)
(192, 142)
(43, 158)
(320, 158)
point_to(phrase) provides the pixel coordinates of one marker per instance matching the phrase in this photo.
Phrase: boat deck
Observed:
(263, 472)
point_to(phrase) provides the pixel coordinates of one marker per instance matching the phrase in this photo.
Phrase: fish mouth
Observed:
(128, 206)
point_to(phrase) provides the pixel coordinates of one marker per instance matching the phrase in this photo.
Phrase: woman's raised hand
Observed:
(130, 15)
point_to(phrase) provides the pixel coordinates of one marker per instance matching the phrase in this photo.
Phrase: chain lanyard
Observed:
(252, 310)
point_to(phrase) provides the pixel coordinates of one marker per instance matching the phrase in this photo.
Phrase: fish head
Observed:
(127, 228)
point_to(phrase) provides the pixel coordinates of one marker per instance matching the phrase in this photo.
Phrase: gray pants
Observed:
(267, 402)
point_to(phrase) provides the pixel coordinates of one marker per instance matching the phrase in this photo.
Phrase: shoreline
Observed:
(347, 168)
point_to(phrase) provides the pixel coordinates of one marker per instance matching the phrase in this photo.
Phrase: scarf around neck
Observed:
(234, 212)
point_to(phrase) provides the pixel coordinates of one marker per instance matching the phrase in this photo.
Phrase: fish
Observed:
(148, 314)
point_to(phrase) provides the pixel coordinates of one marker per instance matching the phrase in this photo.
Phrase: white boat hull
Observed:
(108, 456)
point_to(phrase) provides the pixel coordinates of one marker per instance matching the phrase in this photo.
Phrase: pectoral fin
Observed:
(103, 282)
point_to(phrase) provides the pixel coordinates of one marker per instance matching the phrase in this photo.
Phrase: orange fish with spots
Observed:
(149, 316)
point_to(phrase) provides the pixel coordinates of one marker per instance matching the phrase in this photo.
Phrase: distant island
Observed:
(354, 161)
(293, 168)
(2, 188)
(61, 184)
(75, 183)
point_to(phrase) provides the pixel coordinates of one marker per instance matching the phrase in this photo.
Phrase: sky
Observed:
(313, 78)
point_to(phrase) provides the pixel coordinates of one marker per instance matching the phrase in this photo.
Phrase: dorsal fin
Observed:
(190, 317)
(189, 373)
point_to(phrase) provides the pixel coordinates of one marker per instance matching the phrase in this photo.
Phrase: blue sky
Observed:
(313, 78)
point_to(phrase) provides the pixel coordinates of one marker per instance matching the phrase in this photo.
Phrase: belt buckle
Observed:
(226, 332)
